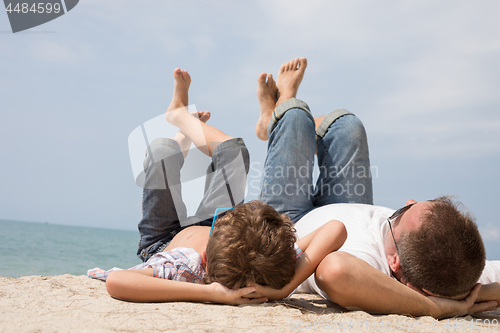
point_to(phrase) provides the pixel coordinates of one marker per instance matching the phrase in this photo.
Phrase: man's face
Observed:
(409, 220)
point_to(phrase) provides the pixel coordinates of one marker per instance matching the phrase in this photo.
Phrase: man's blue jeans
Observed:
(164, 212)
(343, 160)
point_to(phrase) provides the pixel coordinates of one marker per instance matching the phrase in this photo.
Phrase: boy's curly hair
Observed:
(252, 243)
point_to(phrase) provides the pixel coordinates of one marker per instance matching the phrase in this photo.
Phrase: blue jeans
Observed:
(343, 160)
(164, 212)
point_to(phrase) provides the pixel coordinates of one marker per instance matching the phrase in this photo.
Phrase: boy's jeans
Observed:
(343, 161)
(164, 212)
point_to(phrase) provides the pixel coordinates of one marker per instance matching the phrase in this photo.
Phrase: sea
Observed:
(48, 249)
(28, 248)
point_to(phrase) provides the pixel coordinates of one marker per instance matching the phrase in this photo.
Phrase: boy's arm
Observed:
(316, 246)
(140, 286)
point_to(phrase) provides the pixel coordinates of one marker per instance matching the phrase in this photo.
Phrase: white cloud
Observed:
(490, 232)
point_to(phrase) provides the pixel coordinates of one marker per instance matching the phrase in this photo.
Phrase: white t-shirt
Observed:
(366, 228)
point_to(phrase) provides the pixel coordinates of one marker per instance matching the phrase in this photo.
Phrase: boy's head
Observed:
(252, 243)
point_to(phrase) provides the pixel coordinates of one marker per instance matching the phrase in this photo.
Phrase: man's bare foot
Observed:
(266, 93)
(180, 99)
(289, 78)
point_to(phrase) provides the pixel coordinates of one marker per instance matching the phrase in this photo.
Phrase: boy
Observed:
(251, 244)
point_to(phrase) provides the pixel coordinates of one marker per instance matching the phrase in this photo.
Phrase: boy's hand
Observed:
(264, 291)
(225, 295)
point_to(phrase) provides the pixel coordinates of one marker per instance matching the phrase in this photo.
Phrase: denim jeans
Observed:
(343, 161)
(164, 212)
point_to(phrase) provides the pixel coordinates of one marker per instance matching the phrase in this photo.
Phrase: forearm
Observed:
(489, 292)
(351, 282)
(330, 237)
(134, 286)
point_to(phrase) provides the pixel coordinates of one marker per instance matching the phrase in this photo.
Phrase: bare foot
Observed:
(289, 78)
(317, 122)
(180, 99)
(266, 93)
(183, 141)
(202, 115)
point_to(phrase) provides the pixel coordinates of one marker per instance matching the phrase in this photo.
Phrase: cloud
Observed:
(490, 232)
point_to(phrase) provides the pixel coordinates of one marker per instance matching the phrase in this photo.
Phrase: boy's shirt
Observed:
(180, 264)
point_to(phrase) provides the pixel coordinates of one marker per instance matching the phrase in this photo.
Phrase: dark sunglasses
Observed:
(393, 217)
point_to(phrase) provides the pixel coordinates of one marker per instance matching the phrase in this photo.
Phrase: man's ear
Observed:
(394, 263)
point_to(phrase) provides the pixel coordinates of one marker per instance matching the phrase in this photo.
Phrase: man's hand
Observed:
(225, 295)
(446, 307)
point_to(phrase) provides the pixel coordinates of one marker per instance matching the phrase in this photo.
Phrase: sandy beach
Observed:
(68, 303)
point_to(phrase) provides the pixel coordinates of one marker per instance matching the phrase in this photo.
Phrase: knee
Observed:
(298, 118)
(161, 148)
(353, 128)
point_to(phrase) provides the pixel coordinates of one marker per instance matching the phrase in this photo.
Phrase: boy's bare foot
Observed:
(317, 122)
(202, 115)
(183, 141)
(289, 78)
(180, 99)
(266, 93)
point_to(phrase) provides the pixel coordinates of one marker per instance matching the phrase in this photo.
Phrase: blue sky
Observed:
(423, 76)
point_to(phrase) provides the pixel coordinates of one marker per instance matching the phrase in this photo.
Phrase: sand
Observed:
(69, 303)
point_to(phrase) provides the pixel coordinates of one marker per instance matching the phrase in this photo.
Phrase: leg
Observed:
(183, 141)
(343, 159)
(162, 205)
(287, 180)
(205, 137)
(225, 181)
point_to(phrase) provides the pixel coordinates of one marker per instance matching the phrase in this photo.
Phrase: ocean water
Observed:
(49, 249)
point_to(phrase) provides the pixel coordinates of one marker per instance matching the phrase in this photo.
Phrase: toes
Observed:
(303, 63)
(283, 67)
(270, 80)
(186, 76)
(206, 115)
(262, 78)
(177, 73)
(295, 63)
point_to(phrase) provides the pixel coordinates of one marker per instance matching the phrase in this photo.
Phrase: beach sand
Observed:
(68, 303)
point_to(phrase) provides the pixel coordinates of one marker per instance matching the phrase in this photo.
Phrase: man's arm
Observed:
(489, 292)
(351, 282)
(316, 246)
(140, 286)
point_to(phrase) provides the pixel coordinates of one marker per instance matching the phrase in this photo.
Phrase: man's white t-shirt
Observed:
(366, 228)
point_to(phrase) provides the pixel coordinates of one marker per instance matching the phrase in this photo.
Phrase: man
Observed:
(432, 248)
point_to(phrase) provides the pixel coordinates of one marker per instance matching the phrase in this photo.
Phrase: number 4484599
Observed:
(36, 8)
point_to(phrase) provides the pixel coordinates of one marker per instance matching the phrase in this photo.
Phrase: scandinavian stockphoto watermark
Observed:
(26, 14)
(186, 171)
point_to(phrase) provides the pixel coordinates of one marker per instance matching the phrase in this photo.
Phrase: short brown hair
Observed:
(252, 243)
(446, 254)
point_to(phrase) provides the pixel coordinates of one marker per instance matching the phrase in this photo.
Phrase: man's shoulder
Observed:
(347, 213)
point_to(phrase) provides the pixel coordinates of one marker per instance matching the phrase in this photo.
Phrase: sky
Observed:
(423, 77)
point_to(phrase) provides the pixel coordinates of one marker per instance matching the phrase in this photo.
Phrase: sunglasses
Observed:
(216, 215)
(393, 217)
